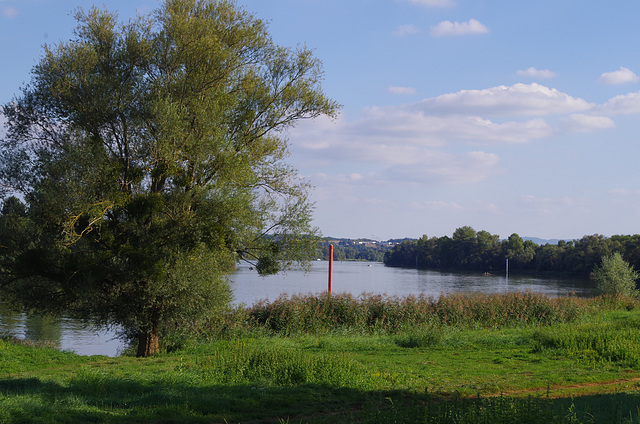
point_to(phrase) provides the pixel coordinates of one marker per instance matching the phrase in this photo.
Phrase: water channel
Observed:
(348, 277)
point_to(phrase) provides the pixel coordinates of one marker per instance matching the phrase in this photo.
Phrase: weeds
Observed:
(377, 314)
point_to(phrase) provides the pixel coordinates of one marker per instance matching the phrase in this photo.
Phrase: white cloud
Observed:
(9, 12)
(517, 99)
(579, 122)
(622, 104)
(408, 29)
(433, 3)
(621, 76)
(401, 90)
(480, 131)
(449, 29)
(536, 73)
(443, 139)
(398, 135)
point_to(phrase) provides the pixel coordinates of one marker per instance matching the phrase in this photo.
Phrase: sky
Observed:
(506, 116)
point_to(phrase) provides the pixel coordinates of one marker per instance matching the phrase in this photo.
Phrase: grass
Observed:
(583, 367)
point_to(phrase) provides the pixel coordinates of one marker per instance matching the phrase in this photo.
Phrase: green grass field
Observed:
(582, 369)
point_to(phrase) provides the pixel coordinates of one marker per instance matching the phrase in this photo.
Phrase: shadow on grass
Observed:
(105, 399)
(113, 400)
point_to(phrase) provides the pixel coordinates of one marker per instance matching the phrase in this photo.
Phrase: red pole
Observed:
(330, 268)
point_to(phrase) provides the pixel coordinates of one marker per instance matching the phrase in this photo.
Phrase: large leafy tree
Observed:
(150, 157)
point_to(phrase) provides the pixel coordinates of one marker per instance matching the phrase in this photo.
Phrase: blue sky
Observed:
(508, 116)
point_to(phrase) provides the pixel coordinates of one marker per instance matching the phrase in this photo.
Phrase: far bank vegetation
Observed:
(471, 250)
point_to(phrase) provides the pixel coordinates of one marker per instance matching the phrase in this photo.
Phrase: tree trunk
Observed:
(148, 343)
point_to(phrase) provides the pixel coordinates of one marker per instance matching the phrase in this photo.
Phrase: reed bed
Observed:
(379, 314)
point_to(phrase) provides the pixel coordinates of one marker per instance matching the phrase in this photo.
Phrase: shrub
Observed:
(615, 276)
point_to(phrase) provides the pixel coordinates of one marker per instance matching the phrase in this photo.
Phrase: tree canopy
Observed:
(145, 158)
(482, 251)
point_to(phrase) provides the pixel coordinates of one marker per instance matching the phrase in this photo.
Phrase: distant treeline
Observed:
(482, 251)
(354, 250)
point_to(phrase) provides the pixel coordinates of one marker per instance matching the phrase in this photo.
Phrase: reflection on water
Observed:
(351, 277)
(65, 333)
(363, 277)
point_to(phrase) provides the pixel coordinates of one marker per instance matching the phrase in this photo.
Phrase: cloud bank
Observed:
(518, 99)
(451, 138)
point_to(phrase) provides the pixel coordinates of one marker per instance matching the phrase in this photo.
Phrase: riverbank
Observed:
(586, 369)
(249, 289)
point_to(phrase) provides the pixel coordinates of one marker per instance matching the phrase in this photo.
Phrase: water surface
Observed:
(348, 277)
(65, 333)
(366, 277)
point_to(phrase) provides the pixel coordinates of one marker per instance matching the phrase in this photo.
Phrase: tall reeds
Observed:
(372, 313)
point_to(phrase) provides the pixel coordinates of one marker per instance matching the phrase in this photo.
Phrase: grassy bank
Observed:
(577, 367)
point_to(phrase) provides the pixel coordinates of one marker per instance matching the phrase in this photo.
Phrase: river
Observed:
(348, 277)
(366, 277)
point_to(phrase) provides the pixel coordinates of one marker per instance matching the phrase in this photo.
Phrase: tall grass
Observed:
(378, 314)
(615, 341)
(239, 362)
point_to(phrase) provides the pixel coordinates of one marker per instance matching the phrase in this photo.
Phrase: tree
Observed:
(465, 248)
(402, 255)
(519, 252)
(614, 276)
(489, 251)
(588, 251)
(151, 157)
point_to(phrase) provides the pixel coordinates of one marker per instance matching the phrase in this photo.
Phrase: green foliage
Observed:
(615, 276)
(353, 250)
(484, 252)
(151, 157)
(419, 339)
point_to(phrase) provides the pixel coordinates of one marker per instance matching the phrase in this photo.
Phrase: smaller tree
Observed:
(614, 276)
